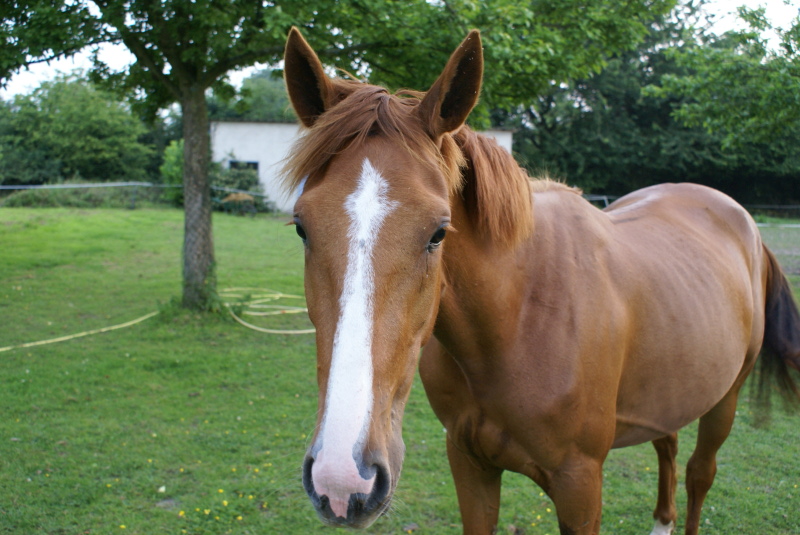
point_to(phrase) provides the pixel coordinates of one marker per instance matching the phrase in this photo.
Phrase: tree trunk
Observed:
(199, 284)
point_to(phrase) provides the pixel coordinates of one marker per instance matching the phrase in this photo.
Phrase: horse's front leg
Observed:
(478, 491)
(576, 491)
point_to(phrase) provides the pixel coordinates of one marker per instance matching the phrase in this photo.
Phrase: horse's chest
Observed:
(491, 439)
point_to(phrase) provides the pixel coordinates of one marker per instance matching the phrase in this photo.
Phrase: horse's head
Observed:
(377, 171)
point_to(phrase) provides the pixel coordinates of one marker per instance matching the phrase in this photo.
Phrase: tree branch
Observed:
(244, 59)
(143, 56)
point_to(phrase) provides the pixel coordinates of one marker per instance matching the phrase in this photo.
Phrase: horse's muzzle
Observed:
(362, 509)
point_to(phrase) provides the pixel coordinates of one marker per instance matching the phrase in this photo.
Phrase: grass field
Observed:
(189, 424)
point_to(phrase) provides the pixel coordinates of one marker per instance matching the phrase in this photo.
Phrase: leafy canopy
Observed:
(39, 31)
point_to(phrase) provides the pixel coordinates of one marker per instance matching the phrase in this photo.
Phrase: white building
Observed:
(264, 146)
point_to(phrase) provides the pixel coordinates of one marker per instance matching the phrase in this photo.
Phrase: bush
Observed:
(242, 179)
(237, 178)
(172, 173)
(99, 197)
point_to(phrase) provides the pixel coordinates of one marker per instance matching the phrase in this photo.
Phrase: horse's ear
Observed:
(452, 97)
(309, 88)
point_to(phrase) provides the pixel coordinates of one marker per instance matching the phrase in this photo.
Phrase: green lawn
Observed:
(189, 424)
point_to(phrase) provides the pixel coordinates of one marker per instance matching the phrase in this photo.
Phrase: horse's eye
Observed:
(436, 239)
(301, 232)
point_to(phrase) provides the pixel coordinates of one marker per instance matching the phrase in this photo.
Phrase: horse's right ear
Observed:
(309, 88)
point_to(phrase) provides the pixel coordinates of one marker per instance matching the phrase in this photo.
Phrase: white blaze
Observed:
(348, 405)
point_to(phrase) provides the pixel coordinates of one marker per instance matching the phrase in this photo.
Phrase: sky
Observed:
(780, 12)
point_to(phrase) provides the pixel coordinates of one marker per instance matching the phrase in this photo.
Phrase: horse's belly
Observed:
(687, 355)
(665, 394)
(631, 431)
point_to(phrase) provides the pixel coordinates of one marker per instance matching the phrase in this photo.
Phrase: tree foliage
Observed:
(39, 31)
(609, 133)
(740, 86)
(68, 128)
(533, 46)
(262, 98)
(528, 46)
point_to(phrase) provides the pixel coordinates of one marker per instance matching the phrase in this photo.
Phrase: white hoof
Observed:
(663, 529)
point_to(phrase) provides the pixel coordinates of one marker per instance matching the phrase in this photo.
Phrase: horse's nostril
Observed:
(308, 483)
(377, 500)
(380, 489)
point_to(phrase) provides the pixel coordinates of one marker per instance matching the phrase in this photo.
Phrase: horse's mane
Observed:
(496, 191)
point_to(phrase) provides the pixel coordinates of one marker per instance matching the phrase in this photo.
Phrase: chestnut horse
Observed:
(559, 331)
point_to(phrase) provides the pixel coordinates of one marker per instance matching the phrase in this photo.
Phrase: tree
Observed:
(31, 165)
(68, 128)
(184, 48)
(608, 133)
(535, 46)
(601, 132)
(739, 86)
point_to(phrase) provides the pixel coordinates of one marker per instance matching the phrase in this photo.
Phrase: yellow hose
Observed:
(230, 293)
(79, 335)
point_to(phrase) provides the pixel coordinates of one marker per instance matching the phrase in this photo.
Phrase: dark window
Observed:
(236, 164)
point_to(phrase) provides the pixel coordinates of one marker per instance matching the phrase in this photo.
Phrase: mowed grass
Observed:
(194, 424)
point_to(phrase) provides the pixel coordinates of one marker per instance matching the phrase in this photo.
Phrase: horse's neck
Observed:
(490, 287)
(482, 296)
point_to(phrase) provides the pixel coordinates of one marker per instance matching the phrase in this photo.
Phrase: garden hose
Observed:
(79, 335)
(246, 300)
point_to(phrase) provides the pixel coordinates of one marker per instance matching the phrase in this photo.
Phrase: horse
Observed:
(546, 331)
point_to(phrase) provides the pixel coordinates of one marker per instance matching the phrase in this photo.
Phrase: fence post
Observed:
(133, 198)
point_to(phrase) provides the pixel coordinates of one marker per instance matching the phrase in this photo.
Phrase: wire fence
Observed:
(781, 211)
(150, 193)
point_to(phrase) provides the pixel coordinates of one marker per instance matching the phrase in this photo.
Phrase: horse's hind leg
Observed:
(665, 512)
(715, 426)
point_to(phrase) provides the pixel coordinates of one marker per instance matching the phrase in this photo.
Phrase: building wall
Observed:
(268, 144)
(265, 143)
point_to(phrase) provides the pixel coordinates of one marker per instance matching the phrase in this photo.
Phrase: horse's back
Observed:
(700, 207)
(690, 263)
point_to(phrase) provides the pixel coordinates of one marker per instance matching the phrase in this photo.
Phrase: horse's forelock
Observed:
(370, 110)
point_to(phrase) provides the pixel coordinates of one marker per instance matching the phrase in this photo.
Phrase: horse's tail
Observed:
(780, 350)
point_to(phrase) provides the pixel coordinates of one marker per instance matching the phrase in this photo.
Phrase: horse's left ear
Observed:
(310, 89)
(452, 97)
